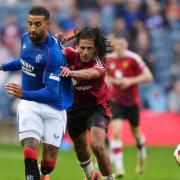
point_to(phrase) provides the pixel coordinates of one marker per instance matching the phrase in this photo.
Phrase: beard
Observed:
(37, 37)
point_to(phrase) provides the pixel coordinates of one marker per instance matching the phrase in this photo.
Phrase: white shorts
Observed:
(41, 122)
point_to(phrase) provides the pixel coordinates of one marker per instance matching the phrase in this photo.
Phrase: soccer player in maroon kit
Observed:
(125, 70)
(90, 111)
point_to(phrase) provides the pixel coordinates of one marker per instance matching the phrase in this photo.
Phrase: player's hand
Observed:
(14, 89)
(61, 37)
(126, 82)
(65, 71)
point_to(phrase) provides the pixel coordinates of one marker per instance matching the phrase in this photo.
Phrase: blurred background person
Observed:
(174, 97)
(125, 71)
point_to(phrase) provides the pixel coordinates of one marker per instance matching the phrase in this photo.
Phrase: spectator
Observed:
(174, 97)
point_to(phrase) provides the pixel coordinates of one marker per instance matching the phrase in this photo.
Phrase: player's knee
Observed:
(97, 148)
(47, 167)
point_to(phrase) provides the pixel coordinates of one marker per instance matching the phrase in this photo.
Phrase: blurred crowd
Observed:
(153, 27)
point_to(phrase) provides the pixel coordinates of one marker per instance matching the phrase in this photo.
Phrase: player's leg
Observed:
(48, 162)
(139, 137)
(116, 147)
(83, 154)
(30, 131)
(115, 143)
(78, 130)
(141, 154)
(98, 136)
(54, 130)
(30, 158)
(98, 132)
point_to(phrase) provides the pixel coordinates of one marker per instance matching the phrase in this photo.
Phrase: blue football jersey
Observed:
(40, 65)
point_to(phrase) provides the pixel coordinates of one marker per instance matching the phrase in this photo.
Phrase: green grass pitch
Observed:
(160, 164)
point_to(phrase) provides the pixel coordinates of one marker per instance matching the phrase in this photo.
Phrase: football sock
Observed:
(116, 153)
(31, 166)
(87, 167)
(110, 177)
(141, 142)
(47, 167)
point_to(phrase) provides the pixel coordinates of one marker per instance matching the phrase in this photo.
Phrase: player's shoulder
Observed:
(132, 55)
(72, 49)
(25, 36)
(54, 45)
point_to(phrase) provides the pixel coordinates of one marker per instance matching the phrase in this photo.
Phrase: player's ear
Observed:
(48, 23)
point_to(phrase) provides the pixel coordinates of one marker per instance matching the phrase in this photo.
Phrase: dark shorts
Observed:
(131, 113)
(82, 118)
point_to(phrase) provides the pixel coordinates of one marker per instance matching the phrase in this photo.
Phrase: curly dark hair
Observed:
(101, 43)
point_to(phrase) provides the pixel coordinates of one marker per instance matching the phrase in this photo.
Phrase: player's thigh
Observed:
(30, 123)
(81, 141)
(97, 137)
(117, 125)
(54, 126)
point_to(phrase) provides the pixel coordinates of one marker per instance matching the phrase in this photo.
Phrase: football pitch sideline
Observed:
(160, 164)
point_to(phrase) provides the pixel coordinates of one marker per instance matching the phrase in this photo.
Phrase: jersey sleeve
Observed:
(139, 65)
(51, 80)
(13, 65)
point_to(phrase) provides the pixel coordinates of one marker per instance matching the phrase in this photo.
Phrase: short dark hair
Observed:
(40, 10)
(101, 43)
(125, 36)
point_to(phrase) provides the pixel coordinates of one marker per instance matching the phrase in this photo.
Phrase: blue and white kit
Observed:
(42, 88)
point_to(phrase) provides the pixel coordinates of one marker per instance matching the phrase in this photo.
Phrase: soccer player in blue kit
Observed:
(44, 95)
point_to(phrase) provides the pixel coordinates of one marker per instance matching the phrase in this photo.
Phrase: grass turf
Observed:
(160, 164)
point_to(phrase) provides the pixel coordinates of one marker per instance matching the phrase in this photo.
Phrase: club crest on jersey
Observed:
(125, 64)
(38, 58)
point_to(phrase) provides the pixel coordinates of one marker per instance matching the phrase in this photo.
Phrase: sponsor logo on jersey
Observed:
(83, 88)
(27, 68)
(54, 77)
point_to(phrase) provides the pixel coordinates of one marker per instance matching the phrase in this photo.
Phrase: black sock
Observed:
(31, 169)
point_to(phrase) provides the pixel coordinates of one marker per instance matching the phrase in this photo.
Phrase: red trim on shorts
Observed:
(30, 153)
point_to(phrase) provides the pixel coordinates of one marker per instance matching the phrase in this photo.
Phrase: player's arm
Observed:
(51, 82)
(14, 65)
(84, 74)
(145, 76)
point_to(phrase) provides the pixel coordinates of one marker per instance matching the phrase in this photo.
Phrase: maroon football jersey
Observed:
(88, 92)
(130, 65)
